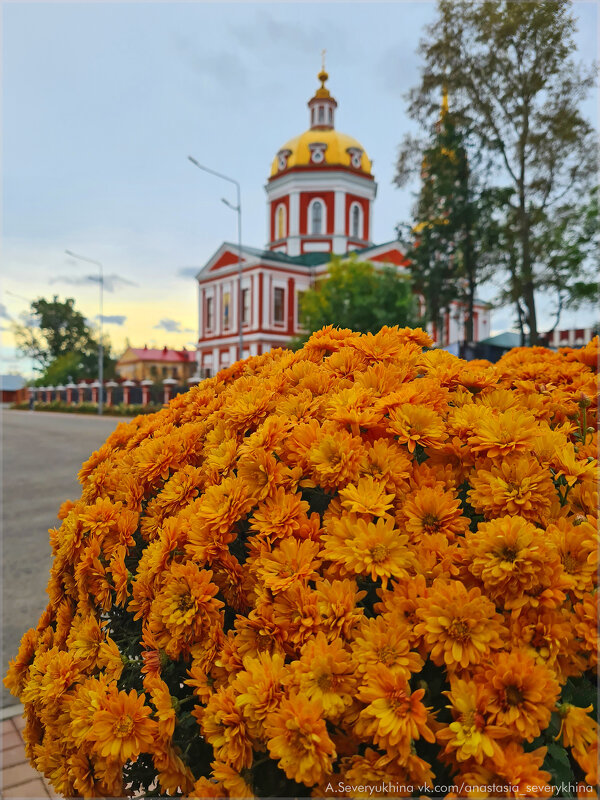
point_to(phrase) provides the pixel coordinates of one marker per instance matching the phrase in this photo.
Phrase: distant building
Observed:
(12, 389)
(320, 195)
(572, 337)
(140, 364)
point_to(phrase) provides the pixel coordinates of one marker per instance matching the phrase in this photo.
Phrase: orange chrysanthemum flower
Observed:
(260, 472)
(366, 497)
(325, 672)
(459, 627)
(498, 436)
(417, 425)
(514, 561)
(578, 729)
(292, 560)
(184, 609)
(224, 727)
(279, 516)
(335, 459)
(393, 716)
(378, 550)
(387, 463)
(258, 689)
(577, 546)
(122, 729)
(511, 773)
(522, 694)
(430, 510)
(354, 407)
(383, 641)
(470, 735)
(515, 487)
(299, 741)
(218, 508)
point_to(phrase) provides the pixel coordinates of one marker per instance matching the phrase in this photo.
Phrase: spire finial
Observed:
(322, 76)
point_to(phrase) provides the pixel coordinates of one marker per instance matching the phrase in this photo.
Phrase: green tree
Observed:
(61, 343)
(517, 89)
(569, 256)
(454, 231)
(356, 295)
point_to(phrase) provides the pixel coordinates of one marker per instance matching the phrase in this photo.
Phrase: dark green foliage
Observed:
(61, 343)
(450, 242)
(356, 295)
(516, 90)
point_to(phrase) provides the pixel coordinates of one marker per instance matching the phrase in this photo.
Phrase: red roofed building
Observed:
(143, 363)
(320, 195)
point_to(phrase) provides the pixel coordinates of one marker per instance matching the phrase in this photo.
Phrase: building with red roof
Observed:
(144, 363)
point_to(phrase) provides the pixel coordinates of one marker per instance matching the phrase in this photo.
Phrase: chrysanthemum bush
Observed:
(364, 564)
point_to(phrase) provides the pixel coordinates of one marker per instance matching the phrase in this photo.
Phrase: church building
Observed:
(320, 195)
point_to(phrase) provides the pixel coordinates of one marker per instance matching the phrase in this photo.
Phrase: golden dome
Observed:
(299, 154)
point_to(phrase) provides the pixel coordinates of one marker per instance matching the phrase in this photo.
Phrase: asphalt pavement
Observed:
(41, 455)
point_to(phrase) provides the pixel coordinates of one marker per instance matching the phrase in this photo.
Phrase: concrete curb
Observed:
(8, 712)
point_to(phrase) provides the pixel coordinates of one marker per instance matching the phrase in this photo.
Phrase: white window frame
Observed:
(323, 231)
(361, 221)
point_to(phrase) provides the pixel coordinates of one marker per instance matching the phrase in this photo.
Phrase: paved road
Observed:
(41, 455)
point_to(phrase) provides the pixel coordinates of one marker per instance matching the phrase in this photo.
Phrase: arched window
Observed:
(356, 221)
(281, 222)
(321, 114)
(316, 217)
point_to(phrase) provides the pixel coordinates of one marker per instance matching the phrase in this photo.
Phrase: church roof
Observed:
(165, 355)
(337, 153)
(321, 145)
(307, 259)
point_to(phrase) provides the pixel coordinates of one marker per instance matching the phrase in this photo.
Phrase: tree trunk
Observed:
(524, 235)
(527, 272)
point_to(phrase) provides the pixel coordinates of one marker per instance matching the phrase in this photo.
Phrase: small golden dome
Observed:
(341, 150)
(322, 91)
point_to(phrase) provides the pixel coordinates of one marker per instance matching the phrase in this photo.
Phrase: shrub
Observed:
(120, 410)
(360, 564)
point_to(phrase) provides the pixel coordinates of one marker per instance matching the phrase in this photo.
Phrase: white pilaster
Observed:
(339, 245)
(294, 220)
(254, 324)
(200, 311)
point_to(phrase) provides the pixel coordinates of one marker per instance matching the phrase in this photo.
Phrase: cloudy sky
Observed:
(103, 102)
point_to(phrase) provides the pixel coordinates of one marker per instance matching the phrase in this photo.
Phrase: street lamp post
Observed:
(100, 344)
(237, 208)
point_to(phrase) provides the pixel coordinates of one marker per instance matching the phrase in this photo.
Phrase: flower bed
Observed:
(363, 564)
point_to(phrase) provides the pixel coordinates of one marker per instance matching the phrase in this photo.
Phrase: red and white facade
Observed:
(320, 196)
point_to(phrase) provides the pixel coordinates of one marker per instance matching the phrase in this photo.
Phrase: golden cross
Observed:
(323, 60)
